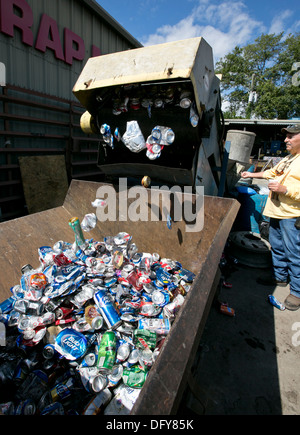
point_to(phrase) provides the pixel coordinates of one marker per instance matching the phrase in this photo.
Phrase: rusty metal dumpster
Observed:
(130, 86)
(198, 251)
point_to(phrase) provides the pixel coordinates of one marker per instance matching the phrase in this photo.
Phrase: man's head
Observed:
(292, 140)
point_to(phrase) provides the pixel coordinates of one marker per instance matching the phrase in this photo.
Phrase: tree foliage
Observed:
(270, 67)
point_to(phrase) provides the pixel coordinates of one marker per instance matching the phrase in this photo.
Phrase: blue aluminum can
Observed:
(7, 305)
(71, 344)
(105, 130)
(107, 309)
(276, 303)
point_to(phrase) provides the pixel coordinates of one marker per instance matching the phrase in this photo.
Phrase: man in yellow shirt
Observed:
(283, 208)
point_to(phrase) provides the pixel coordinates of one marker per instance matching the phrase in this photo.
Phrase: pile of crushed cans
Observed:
(83, 329)
(135, 98)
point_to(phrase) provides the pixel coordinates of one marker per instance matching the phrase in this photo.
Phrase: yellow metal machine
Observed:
(161, 85)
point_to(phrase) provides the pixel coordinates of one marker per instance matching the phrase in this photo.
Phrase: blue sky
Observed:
(224, 24)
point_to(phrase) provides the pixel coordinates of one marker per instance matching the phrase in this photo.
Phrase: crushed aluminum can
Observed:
(149, 288)
(123, 401)
(145, 339)
(171, 309)
(123, 353)
(107, 136)
(163, 135)
(92, 317)
(62, 390)
(133, 279)
(151, 155)
(149, 309)
(276, 303)
(86, 373)
(185, 99)
(71, 344)
(117, 134)
(89, 360)
(107, 309)
(146, 102)
(185, 103)
(28, 333)
(81, 325)
(225, 309)
(7, 408)
(194, 118)
(86, 293)
(135, 103)
(160, 298)
(98, 382)
(62, 312)
(122, 238)
(133, 358)
(33, 322)
(107, 351)
(155, 257)
(49, 351)
(115, 376)
(97, 403)
(146, 181)
(25, 407)
(146, 358)
(99, 203)
(158, 103)
(133, 137)
(89, 222)
(134, 377)
(26, 268)
(161, 326)
(187, 275)
(53, 409)
(29, 307)
(117, 259)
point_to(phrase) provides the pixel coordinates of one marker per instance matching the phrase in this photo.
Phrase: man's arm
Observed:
(274, 186)
(247, 174)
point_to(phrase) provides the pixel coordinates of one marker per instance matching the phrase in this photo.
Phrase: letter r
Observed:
(9, 20)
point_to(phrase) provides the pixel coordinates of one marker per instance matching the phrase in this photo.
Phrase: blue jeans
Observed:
(284, 238)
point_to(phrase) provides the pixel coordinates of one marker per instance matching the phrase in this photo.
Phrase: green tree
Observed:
(266, 69)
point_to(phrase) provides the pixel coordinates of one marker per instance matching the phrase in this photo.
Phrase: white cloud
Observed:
(284, 22)
(278, 24)
(223, 26)
(186, 28)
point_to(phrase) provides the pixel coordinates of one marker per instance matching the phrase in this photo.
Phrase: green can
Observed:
(107, 351)
(134, 377)
(144, 339)
(76, 227)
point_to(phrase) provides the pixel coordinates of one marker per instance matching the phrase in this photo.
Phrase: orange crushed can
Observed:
(227, 310)
(38, 281)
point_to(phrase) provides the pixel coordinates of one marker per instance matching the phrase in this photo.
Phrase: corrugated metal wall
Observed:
(32, 69)
(39, 115)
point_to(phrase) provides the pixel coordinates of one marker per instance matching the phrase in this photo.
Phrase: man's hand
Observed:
(274, 186)
(246, 174)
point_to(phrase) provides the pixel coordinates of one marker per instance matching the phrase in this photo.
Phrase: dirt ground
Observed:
(248, 364)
